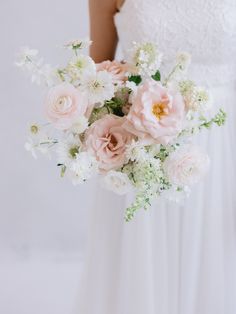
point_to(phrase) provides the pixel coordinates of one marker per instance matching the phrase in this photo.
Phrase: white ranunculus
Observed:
(117, 182)
(186, 166)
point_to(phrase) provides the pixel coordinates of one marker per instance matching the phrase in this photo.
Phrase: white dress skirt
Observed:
(173, 259)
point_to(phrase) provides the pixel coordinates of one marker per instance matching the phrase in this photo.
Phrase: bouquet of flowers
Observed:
(123, 122)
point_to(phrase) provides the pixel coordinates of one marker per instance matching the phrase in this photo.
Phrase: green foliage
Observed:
(157, 76)
(137, 79)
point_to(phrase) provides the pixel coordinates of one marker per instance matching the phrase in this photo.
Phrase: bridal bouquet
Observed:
(123, 121)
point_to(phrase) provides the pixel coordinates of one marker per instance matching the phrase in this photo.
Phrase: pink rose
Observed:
(156, 115)
(186, 166)
(116, 69)
(106, 139)
(63, 104)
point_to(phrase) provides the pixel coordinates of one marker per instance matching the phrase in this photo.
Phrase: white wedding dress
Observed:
(174, 259)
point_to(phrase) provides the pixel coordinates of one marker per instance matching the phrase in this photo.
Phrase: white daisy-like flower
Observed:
(31, 147)
(25, 56)
(68, 149)
(45, 74)
(117, 182)
(146, 58)
(81, 66)
(77, 44)
(82, 168)
(98, 87)
(38, 142)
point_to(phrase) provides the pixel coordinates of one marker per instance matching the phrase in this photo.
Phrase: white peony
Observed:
(186, 166)
(117, 182)
(98, 87)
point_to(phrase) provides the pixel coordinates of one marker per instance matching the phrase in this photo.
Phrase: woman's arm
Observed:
(102, 29)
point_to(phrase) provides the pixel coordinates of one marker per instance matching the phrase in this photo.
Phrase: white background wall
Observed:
(42, 218)
(40, 214)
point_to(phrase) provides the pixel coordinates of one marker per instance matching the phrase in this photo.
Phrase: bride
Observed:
(175, 258)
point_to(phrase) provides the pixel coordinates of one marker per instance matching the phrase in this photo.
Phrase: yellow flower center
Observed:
(159, 110)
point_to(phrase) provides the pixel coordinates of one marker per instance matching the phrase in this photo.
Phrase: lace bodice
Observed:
(205, 28)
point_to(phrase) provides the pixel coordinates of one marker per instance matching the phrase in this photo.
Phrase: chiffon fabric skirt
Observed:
(171, 259)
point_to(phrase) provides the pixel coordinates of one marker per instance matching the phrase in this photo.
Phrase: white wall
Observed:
(39, 212)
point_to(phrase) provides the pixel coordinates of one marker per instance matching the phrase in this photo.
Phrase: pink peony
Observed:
(106, 139)
(156, 115)
(64, 103)
(186, 166)
(116, 69)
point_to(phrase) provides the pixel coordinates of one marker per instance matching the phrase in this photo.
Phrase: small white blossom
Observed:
(117, 182)
(135, 151)
(183, 59)
(78, 44)
(40, 73)
(31, 147)
(26, 56)
(68, 149)
(39, 141)
(146, 58)
(82, 168)
(196, 98)
(98, 87)
(81, 66)
(79, 125)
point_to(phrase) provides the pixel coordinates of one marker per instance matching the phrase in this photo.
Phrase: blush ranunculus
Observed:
(106, 139)
(64, 103)
(156, 115)
(117, 69)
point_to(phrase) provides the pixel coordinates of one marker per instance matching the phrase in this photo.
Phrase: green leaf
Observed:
(135, 78)
(63, 170)
(157, 76)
